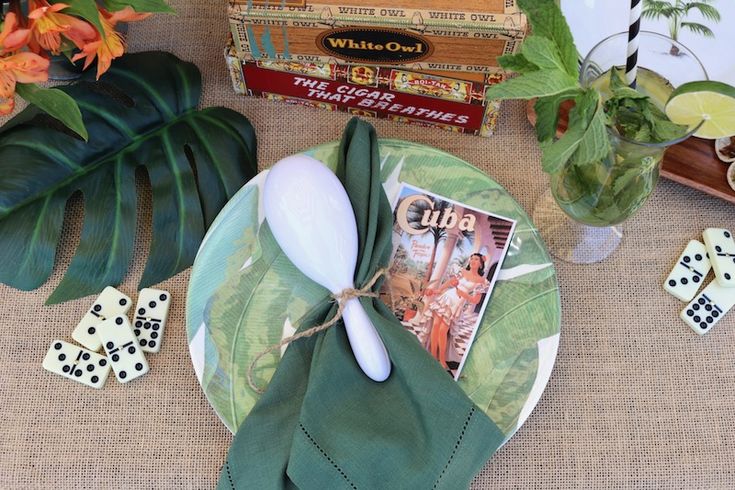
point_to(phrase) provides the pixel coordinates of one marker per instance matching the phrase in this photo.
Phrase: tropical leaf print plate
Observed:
(245, 295)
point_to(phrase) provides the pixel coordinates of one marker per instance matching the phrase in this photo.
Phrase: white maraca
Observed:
(312, 220)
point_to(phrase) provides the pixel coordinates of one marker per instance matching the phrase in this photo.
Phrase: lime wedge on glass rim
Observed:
(708, 101)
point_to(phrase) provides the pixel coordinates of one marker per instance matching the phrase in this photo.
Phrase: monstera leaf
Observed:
(142, 113)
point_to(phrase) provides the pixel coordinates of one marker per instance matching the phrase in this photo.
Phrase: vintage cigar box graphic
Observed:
(417, 35)
(435, 99)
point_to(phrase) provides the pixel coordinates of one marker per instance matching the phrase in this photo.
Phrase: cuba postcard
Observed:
(446, 258)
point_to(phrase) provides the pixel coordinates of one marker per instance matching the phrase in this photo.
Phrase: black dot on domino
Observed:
(163, 297)
(715, 313)
(709, 319)
(109, 345)
(703, 326)
(695, 307)
(57, 345)
(695, 278)
(141, 311)
(123, 302)
(684, 280)
(701, 301)
(152, 304)
(91, 330)
(154, 335)
(138, 366)
(727, 234)
(115, 358)
(152, 344)
(718, 248)
(687, 259)
(85, 356)
(66, 369)
(708, 307)
(143, 342)
(94, 379)
(97, 307)
(672, 283)
(103, 362)
(690, 312)
(698, 256)
(78, 373)
(147, 325)
(123, 375)
(727, 276)
(156, 326)
(137, 332)
(62, 357)
(138, 324)
(90, 367)
(119, 320)
(131, 349)
(697, 318)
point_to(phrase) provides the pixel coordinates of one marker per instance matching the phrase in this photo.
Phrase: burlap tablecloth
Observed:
(636, 398)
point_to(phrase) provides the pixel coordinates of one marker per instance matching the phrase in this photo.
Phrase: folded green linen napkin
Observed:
(323, 424)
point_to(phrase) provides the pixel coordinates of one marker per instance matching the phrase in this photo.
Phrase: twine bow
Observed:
(341, 298)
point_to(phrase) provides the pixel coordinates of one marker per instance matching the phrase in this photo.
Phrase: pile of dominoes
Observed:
(708, 307)
(106, 325)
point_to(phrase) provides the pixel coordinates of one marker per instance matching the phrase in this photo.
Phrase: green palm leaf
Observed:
(698, 29)
(141, 114)
(707, 11)
(653, 9)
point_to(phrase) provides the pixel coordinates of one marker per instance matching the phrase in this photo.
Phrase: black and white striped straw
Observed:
(634, 29)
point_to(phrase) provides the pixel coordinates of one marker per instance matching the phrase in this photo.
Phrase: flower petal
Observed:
(16, 40)
(127, 14)
(26, 68)
(7, 83)
(7, 104)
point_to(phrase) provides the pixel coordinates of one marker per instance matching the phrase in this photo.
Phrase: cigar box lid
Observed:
(234, 56)
(501, 16)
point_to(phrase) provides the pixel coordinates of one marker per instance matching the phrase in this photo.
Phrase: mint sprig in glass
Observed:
(606, 164)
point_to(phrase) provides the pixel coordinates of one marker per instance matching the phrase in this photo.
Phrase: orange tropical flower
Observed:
(48, 24)
(112, 45)
(22, 67)
(12, 38)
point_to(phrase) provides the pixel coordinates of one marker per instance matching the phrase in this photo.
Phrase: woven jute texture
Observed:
(636, 400)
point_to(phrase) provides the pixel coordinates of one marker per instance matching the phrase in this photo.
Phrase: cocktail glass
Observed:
(579, 217)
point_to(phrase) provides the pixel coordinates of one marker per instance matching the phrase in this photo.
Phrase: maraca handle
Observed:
(366, 344)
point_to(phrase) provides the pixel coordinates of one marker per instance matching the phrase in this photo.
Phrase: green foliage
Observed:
(636, 117)
(548, 22)
(548, 71)
(516, 63)
(541, 83)
(56, 103)
(698, 28)
(87, 10)
(153, 6)
(547, 114)
(585, 138)
(142, 114)
(544, 54)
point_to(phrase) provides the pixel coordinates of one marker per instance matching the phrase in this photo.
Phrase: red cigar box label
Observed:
(396, 94)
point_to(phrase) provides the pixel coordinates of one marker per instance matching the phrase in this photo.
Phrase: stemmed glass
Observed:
(579, 216)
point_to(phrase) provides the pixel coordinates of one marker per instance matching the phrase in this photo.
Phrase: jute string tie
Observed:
(341, 298)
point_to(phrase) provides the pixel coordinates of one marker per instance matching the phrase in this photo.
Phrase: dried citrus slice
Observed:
(708, 101)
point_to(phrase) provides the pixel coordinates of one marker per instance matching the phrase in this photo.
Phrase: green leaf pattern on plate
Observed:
(242, 310)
